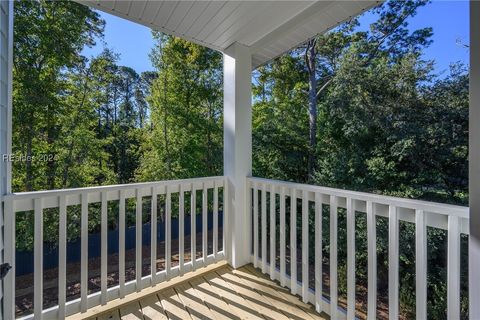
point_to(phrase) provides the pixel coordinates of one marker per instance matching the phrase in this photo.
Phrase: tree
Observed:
(49, 36)
(186, 112)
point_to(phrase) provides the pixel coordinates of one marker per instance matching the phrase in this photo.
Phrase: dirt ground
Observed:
(25, 285)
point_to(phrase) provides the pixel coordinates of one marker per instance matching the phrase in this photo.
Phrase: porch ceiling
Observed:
(270, 28)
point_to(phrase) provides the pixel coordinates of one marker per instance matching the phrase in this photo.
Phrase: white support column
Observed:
(237, 156)
(474, 161)
(6, 62)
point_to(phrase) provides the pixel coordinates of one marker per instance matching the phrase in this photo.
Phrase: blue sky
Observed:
(449, 20)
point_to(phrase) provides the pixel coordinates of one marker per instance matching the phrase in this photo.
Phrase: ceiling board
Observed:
(269, 28)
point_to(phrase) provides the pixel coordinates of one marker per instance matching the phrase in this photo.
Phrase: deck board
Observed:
(152, 308)
(285, 293)
(214, 301)
(221, 293)
(114, 315)
(131, 311)
(273, 296)
(253, 298)
(173, 305)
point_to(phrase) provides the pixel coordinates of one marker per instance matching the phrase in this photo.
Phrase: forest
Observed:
(353, 108)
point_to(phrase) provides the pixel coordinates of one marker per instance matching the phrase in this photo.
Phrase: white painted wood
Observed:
(138, 241)
(393, 271)
(9, 281)
(121, 244)
(104, 252)
(474, 162)
(453, 269)
(7, 252)
(372, 262)
(193, 222)
(84, 253)
(255, 226)
(153, 236)
(6, 81)
(38, 261)
(350, 260)
(168, 233)
(333, 257)
(440, 209)
(264, 229)
(226, 220)
(276, 26)
(215, 220)
(305, 262)
(86, 196)
(421, 264)
(205, 224)
(62, 256)
(181, 230)
(318, 253)
(293, 241)
(237, 155)
(283, 273)
(273, 230)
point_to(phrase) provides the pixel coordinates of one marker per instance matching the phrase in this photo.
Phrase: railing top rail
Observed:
(72, 191)
(446, 209)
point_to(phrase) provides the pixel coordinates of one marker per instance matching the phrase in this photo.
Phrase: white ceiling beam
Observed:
(295, 22)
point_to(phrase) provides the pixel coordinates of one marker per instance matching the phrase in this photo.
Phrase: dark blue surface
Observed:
(24, 259)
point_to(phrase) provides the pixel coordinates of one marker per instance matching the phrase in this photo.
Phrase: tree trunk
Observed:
(310, 53)
(50, 156)
(28, 162)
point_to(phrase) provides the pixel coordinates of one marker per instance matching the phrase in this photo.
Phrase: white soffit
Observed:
(270, 27)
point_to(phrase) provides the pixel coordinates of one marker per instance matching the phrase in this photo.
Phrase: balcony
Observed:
(231, 246)
(158, 274)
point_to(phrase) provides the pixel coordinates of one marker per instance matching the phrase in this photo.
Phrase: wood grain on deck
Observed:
(223, 293)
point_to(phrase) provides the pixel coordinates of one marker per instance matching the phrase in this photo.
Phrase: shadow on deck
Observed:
(215, 292)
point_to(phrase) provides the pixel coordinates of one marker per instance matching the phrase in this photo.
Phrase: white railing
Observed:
(454, 219)
(61, 199)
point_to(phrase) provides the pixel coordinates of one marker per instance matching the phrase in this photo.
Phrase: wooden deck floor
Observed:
(222, 293)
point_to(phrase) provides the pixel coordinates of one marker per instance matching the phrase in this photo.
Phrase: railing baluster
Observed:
(273, 227)
(215, 220)
(293, 241)
(393, 263)
(153, 237)
(453, 268)
(9, 242)
(264, 229)
(372, 262)
(138, 240)
(168, 233)
(84, 256)
(205, 224)
(62, 256)
(318, 253)
(181, 231)
(193, 227)
(255, 225)
(282, 238)
(104, 241)
(226, 246)
(305, 262)
(333, 257)
(374, 206)
(350, 260)
(421, 264)
(121, 243)
(38, 258)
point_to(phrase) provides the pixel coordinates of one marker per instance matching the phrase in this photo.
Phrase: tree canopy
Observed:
(354, 108)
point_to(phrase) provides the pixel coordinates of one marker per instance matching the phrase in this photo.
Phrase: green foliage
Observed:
(186, 136)
(384, 123)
